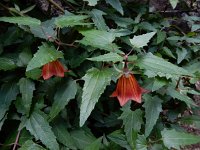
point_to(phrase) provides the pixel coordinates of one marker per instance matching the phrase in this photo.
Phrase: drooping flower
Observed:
(128, 89)
(53, 68)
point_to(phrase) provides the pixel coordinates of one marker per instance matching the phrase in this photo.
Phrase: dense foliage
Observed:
(60, 62)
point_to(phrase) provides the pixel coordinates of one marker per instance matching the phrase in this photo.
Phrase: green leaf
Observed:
(114, 57)
(71, 20)
(96, 145)
(174, 139)
(153, 107)
(22, 20)
(181, 54)
(40, 128)
(45, 54)
(8, 93)
(97, 17)
(155, 65)
(30, 145)
(120, 139)
(116, 4)
(175, 94)
(3, 120)
(158, 83)
(63, 136)
(173, 3)
(82, 138)
(26, 89)
(193, 120)
(7, 64)
(97, 38)
(34, 74)
(141, 143)
(95, 84)
(132, 121)
(91, 2)
(160, 36)
(64, 94)
(45, 30)
(142, 40)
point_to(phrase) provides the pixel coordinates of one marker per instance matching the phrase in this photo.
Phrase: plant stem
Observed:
(16, 140)
(56, 5)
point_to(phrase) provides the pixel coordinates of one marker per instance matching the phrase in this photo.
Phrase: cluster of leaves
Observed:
(76, 112)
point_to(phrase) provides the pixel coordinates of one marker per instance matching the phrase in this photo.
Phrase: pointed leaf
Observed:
(132, 121)
(82, 138)
(26, 89)
(142, 40)
(116, 4)
(21, 20)
(63, 136)
(45, 54)
(71, 20)
(7, 64)
(181, 54)
(155, 65)
(40, 128)
(95, 84)
(173, 3)
(94, 145)
(8, 93)
(30, 145)
(119, 138)
(175, 139)
(91, 2)
(175, 94)
(97, 38)
(141, 143)
(63, 95)
(153, 108)
(97, 17)
(114, 57)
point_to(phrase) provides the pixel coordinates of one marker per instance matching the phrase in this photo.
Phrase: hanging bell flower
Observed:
(53, 68)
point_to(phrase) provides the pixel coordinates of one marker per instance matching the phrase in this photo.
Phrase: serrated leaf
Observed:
(45, 54)
(7, 64)
(97, 17)
(114, 57)
(63, 136)
(45, 30)
(153, 107)
(181, 54)
(94, 145)
(82, 138)
(158, 83)
(173, 3)
(30, 145)
(160, 36)
(91, 2)
(132, 121)
(155, 65)
(71, 20)
(119, 138)
(22, 20)
(26, 87)
(8, 93)
(141, 143)
(40, 128)
(62, 96)
(97, 38)
(175, 139)
(116, 4)
(95, 84)
(142, 40)
(175, 94)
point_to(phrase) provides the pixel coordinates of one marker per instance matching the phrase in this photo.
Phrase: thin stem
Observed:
(16, 140)
(56, 5)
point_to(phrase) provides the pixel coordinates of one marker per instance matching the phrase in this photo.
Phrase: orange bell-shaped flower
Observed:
(53, 68)
(128, 89)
